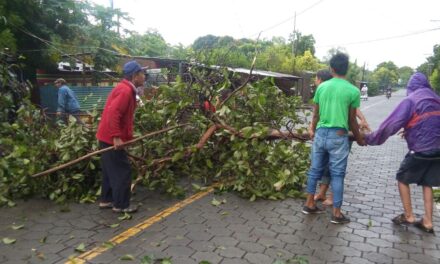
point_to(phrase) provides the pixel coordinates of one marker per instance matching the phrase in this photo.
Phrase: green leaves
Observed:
(108, 245)
(216, 202)
(8, 241)
(127, 257)
(114, 225)
(81, 248)
(17, 227)
(147, 260)
(242, 157)
(126, 216)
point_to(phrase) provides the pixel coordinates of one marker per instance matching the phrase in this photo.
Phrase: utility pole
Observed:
(294, 35)
(112, 7)
(293, 42)
(363, 72)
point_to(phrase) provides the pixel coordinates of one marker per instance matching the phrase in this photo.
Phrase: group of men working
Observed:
(335, 113)
(336, 103)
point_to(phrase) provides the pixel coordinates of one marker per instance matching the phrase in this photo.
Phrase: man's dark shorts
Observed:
(422, 168)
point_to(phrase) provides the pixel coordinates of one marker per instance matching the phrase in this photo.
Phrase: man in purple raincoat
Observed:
(419, 115)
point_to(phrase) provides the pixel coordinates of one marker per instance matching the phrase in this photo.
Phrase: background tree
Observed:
(331, 52)
(383, 78)
(105, 37)
(404, 73)
(431, 68)
(388, 65)
(181, 52)
(150, 44)
(41, 30)
(302, 43)
(434, 67)
(307, 62)
(354, 74)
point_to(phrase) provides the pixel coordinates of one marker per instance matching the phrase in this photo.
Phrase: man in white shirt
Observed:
(364, 92)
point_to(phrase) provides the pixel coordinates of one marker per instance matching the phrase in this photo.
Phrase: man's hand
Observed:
(311, 133)
(361, 141)
(117, 142)
(401, 133)
(363, 125)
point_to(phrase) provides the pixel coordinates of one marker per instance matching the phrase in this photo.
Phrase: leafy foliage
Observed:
(405, 73)
(29, 143)
(436, 195)
(275, 55)
(239, 154)
(383, 77)
(150, 44)
(303, 43)
(431, 68)
(250, 163)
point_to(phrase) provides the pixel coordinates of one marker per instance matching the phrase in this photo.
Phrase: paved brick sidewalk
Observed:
(240, 231)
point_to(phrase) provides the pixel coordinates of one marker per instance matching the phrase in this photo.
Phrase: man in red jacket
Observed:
(115, 128)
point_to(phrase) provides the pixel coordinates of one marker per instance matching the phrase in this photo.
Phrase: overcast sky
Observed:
(405, 29)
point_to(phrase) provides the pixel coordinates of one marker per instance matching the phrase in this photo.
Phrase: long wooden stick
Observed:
(70, 163)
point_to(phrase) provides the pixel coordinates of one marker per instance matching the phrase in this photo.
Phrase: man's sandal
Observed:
(105, 205)
(128, 210)
(401, 220)
(419, 225)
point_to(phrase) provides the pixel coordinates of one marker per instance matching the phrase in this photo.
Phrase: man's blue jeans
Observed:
(330, 147)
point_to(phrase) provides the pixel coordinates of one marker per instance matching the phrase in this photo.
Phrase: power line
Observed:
(288, 19)
(382, 39)
(50, 44)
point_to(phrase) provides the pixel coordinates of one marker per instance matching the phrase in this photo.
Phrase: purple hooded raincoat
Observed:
(423, 133)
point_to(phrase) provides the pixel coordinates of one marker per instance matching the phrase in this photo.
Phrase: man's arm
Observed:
(354, 127)
(363, 121)
(315, 119)
(392, 124)
(61, 101)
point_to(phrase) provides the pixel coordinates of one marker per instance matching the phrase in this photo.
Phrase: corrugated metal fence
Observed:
(88, 97)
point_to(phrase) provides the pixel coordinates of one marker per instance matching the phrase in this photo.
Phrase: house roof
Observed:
(266, 73)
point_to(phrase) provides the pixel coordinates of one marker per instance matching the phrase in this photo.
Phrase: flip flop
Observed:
(401, 220)
(419, 224)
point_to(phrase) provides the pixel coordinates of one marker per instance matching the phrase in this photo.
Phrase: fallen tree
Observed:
(253, 144)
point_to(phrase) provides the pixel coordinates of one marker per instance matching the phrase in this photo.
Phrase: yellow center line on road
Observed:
(132, 231)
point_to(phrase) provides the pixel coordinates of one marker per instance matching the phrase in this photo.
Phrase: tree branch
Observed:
(70, 163)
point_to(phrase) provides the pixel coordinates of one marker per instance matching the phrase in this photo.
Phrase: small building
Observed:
(92, 87)
(289, 84)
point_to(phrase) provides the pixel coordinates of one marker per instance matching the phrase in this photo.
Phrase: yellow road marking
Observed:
(138, 228)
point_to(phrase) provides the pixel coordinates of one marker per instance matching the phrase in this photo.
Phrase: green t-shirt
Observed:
(334, 98)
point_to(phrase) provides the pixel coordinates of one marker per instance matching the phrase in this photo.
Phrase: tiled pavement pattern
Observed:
(240, 231)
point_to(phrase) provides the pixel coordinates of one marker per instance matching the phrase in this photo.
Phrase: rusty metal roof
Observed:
(266, 73)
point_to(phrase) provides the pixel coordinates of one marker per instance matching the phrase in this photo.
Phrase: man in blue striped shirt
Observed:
(67, 102)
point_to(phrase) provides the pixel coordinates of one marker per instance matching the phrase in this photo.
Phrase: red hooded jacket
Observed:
(118, 115)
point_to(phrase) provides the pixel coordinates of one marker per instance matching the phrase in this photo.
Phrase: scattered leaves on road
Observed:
(126, 216)
(127, 257)
(81, 248)
(8, 240)
(216, 202)
(108, 244)
(17, 227)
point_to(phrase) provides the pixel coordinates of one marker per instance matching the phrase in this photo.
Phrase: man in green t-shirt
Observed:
(334, 114)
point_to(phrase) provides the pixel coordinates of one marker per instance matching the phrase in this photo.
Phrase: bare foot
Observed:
(328, 202)
(319, 197)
